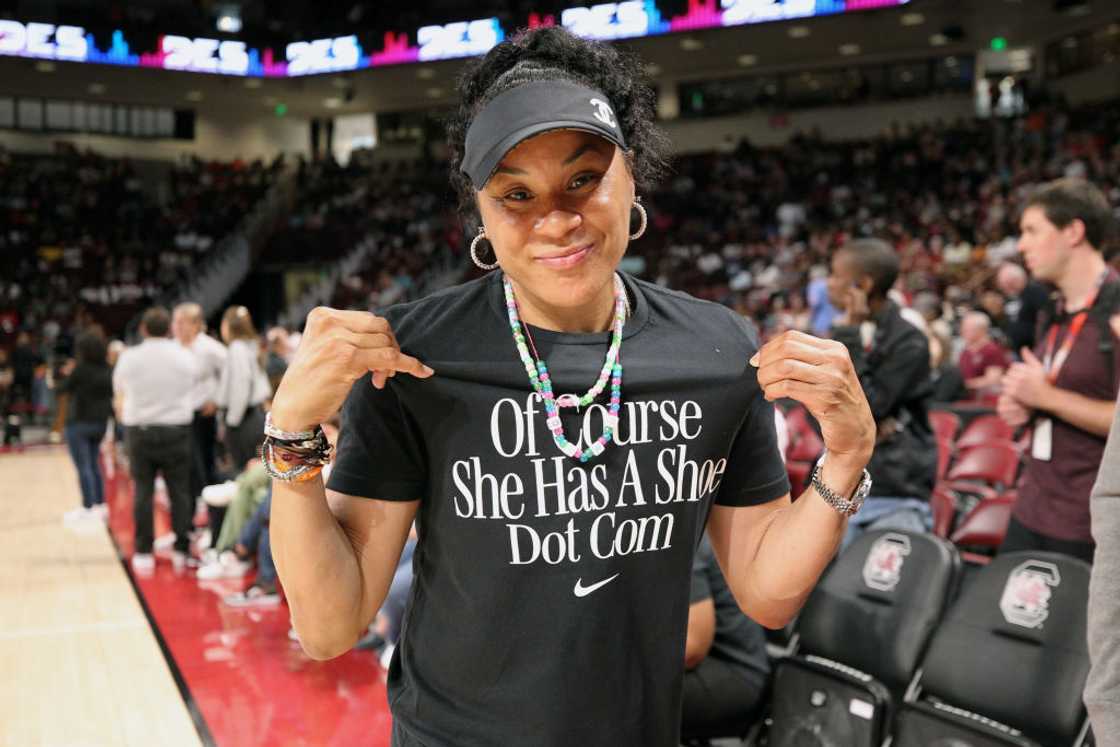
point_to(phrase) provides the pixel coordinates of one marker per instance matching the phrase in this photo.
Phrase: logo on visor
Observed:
(604, 113)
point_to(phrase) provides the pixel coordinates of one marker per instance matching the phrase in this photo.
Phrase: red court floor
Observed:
(247, 684)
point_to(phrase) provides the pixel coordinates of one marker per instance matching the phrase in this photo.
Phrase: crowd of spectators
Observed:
(753, 227)
(89, 240)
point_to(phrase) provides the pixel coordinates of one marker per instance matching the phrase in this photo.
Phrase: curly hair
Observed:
(553, 53)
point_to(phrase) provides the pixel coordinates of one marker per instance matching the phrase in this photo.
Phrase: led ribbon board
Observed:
(604, 21)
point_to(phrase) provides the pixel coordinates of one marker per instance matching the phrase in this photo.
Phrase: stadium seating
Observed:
(983, 528)
(985, 429)
(1008, 664)
(862, 633)
(946, 425)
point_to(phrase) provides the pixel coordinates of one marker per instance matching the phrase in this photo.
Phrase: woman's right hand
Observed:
(337, 348)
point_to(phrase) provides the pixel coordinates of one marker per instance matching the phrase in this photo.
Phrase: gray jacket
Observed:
(1102, 691)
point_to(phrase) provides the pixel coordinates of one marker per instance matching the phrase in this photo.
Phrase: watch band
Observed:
(846, 506)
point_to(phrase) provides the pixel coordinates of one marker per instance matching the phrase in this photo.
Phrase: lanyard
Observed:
(1053, 363)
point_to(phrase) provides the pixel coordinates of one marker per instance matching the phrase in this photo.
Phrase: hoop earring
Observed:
(474, 252)
(644, 219)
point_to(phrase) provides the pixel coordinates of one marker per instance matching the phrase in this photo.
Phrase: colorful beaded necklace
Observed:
(542, 383)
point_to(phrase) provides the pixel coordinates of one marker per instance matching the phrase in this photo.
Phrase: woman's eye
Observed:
(582, 180)
(517, 196)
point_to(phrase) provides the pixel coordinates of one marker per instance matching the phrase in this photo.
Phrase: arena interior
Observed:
(182, 170)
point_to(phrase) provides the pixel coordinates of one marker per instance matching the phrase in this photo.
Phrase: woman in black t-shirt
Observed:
(89, 382)
(556, 526)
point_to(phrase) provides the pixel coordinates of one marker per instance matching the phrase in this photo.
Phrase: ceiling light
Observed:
(252, 82)
(332, 103)
(43, 66)
(1069, 42)
(425, 73)
(799, 32)
(229, 17)
(194, 95)
(96, 88)
(746, 60)
(229, 24)
(653, 70)
(271, 100)
(690, 44)
(815, 85)
(849, 49)
(907, 76)
(912, 19)
(435, 93)
(938, 40)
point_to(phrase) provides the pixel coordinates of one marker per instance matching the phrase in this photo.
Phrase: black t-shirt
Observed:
(551, 597)
(739, 640)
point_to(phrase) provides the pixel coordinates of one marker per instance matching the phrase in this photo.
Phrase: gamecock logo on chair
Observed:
(1026, 597)
(883, 568)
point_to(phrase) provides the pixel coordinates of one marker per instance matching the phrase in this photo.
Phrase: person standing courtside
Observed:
(189, 328)
(1065, 389)
(243, 387)
(155, 380)
(891, 356)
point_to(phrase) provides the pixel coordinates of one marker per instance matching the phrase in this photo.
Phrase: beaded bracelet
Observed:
(279, 466)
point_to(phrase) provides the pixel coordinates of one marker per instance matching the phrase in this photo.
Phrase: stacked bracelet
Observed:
(294, 456)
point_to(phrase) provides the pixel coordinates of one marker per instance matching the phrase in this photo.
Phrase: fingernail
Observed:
(754, 360)
(428, 370)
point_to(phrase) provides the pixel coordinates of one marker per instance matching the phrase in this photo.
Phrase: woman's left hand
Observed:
(819, 374)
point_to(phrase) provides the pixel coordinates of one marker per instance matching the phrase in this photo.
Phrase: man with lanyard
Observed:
(1065, 389)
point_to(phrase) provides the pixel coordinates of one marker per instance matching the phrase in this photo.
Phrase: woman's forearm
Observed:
(797, 545)
(319, 569)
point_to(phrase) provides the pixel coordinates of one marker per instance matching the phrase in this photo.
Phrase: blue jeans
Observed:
(909, 514)
(84, 442)
(397, 599)
(255, 535)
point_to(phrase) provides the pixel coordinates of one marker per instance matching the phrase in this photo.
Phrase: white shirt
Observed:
(243, 384)
(156, 379)
(210, 355)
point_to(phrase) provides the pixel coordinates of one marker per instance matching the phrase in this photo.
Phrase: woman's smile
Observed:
(567, 258)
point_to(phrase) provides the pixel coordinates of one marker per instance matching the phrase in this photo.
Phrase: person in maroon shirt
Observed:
(983, 360)
(1066, 387)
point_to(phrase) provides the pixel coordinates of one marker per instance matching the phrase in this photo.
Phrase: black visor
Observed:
(530, 109)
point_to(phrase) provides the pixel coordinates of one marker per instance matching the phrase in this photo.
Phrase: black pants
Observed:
(1020, 538)
(243, 441)
(204, 468)
(165, 449)
(720, 700)
(204, 435)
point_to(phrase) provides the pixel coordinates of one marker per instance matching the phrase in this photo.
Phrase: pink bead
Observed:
(578, 453)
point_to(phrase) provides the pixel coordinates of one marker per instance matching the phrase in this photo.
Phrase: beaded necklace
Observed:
(537, 371)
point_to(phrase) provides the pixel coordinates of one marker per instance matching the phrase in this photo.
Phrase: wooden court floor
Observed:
(79, 664)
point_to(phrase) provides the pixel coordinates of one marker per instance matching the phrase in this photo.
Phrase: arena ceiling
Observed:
(921, 29)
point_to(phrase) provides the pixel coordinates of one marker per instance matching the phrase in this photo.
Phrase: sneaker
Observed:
(164, 542)
(144, 563)
(387, 655)
(180, 561)
(79, 515)
(254, 596)
(219, 495)
(226, 566)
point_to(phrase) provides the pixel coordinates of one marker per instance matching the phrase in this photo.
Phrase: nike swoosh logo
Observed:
(581, 591)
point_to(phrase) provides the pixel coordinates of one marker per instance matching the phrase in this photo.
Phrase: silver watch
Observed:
(846, 506)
